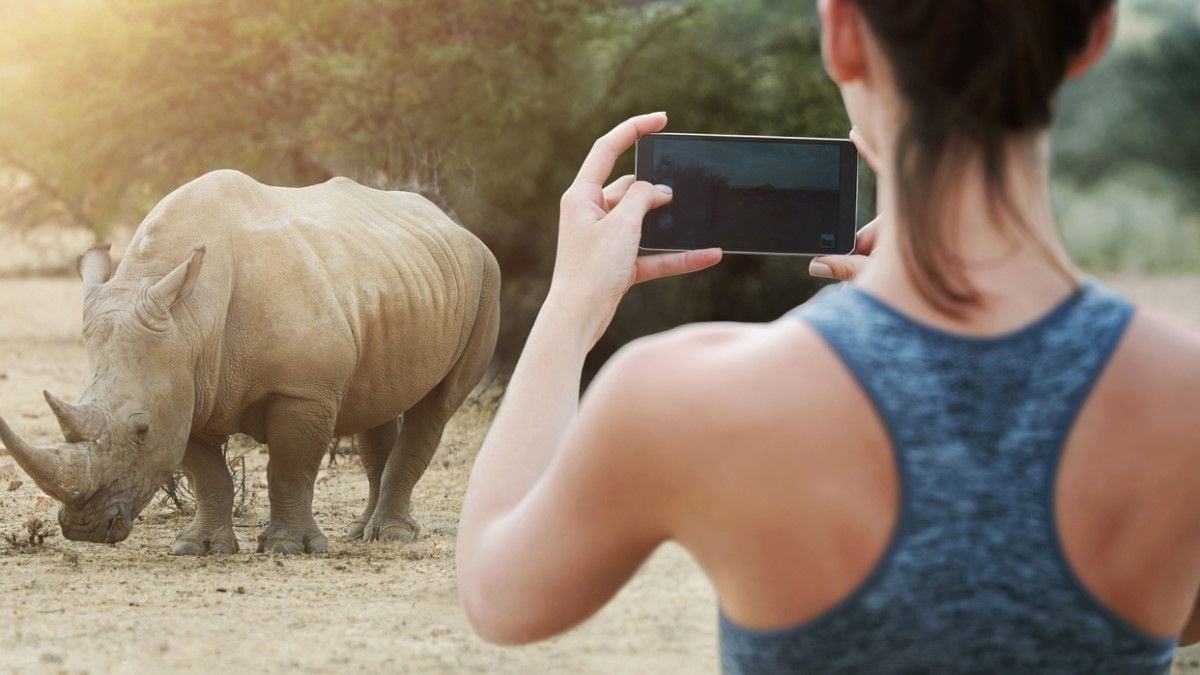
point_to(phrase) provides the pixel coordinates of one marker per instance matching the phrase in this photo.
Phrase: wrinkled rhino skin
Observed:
(290, 315)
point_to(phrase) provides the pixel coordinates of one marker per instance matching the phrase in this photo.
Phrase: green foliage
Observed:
(1134, 220)
(1137, 105)
(488, 106)
(1127, 151)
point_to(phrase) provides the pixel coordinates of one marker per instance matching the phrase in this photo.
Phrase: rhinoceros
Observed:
(292, 315)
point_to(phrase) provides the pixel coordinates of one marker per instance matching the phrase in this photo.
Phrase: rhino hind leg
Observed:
(421, 433)
(211, 529)
(298, 433)
(374, 448)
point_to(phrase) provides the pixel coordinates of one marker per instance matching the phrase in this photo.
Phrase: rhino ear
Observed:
(94, 266)
(176, 286)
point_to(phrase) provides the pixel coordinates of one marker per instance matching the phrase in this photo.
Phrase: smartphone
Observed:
(751, 194)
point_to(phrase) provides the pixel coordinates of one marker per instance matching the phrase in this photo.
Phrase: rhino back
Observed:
(335, 292)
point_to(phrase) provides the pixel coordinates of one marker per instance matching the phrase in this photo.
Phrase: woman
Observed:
(968, 459)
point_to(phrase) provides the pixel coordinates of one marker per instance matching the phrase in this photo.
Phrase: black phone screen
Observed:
(750, 194)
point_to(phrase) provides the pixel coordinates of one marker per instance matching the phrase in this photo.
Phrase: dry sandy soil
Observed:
(69, 607)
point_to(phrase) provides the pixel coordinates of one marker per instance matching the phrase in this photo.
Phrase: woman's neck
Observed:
(1013, 257)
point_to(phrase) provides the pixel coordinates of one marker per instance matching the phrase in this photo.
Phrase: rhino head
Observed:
(128, 433)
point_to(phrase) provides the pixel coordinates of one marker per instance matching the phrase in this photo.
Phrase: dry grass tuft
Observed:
(178, 493)
(36, 532)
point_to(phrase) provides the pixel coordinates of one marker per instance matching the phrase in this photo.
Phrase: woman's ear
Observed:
(842, 46)
(1098, 38)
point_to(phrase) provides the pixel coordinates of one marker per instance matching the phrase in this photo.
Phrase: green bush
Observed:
(1132, 221)
(488, 106)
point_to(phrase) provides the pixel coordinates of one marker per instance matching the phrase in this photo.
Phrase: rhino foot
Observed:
(356, 529)
(401, 529)
(283, 541)
(219, 541)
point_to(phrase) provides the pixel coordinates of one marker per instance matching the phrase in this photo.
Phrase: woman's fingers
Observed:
(840, 267)
(616, 190)
(865, 240)
(600, 161)
(865, 150)
(846, 267)
(650, 267)
(640, 199)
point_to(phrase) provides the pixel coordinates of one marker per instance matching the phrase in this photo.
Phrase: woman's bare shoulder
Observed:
(705, 383)
(726, 354)
(1160, 358)
(1139, 427)
(719, 412)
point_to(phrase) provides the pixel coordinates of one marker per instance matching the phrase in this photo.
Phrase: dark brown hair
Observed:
(974, 74)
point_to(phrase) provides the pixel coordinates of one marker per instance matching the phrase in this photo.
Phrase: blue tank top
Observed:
(973, 578)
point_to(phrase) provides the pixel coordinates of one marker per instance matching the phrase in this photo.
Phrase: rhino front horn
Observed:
(62, 470)
(79, 422)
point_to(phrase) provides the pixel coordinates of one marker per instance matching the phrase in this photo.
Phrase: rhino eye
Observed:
(139, 428)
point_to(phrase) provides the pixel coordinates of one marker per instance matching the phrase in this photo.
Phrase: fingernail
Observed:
(853, 131)
(665, 189)
(661, 112)
(820, 269)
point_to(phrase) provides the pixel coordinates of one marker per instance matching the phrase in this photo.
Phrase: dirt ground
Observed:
(70, 607)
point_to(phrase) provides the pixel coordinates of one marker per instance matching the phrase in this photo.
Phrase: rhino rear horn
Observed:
(171, 289)
(63, 470)
(79, 422)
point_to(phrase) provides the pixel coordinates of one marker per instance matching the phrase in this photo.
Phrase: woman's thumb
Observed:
(840, 267)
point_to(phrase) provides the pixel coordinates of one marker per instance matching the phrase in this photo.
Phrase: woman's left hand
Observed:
(847, 267)
(600, 228)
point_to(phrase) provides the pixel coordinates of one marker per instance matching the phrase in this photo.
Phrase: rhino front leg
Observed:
(298, 434)
(211, 529)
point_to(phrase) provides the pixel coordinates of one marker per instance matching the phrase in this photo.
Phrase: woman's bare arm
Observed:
(552, 524)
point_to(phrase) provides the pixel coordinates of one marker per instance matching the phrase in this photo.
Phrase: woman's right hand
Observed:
(846, 267)
(599, 230)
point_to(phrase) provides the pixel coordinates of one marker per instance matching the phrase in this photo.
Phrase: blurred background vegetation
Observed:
(488, 106)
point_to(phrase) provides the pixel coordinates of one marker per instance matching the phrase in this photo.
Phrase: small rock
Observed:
(240, 590)
(43, 502)
(260, 483)
(3, 376)
(8, 471)
(30, 416)
(14, 485)
(222, 590)
(51, 657)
